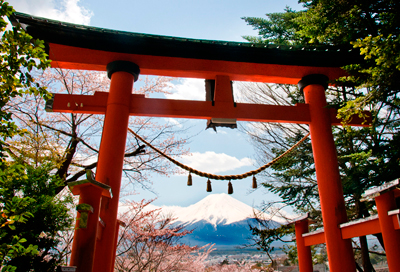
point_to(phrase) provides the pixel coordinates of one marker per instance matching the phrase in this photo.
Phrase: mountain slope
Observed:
(226, 235)
(218, 219)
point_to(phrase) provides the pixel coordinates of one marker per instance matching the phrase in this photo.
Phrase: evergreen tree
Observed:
(371, 26)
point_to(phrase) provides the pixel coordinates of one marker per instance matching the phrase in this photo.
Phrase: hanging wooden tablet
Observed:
(254, 182)
(209, 189)
(230, 188)
(189, 182)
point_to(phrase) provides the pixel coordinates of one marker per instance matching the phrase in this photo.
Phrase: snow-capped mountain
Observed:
(218, 219)
(217, 209)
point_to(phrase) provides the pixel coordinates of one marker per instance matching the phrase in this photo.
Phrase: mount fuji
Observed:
(218, 219)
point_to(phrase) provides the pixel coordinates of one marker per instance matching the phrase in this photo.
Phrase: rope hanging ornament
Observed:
(230, 188)
(254, 183)
(220, 177)
(209, 189)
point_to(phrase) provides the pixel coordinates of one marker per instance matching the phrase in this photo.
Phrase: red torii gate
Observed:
(386, 222)
(124, 55)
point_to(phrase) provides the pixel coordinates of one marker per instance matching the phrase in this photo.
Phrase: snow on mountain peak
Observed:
(216, 209)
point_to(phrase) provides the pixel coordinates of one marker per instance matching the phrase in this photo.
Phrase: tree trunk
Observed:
(359, 269)
(366, 262)
(361, 210)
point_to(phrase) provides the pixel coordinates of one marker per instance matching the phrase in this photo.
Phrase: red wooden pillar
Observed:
(391, 237)
(340, 253)
(111, 155)
(83, 247)
(303, 251)
(87, 223)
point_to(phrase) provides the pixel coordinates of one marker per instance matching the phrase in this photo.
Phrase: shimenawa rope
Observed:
(220, 177)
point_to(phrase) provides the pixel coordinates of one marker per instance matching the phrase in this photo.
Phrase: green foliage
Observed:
(372, 27)
(13, 211)
(330, 22)
(294, 174)
(291, 253)
(13, 250)
(31, 216)
(32, 211)
(367, 157)
(264, 236)
(318, 254)
(20, 55)
(84, 207)
(278, 28)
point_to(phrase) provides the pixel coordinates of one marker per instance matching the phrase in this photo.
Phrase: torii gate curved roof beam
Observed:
(89, 48)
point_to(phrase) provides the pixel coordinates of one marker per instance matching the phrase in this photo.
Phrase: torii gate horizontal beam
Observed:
(82, 47)
(154, 107)
(69, 57)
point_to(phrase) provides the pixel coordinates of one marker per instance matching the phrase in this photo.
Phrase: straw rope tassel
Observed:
(254, 182)
(209, 189)
(230, 188)
(189, 182)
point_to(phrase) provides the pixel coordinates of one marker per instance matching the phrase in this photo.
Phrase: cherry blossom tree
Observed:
(72, 140)
(150, 242)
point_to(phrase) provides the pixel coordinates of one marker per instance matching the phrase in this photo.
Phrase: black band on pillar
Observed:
(123, 66)
(313, 79)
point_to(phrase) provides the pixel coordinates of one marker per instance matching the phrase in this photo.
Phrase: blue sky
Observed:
(207, 19)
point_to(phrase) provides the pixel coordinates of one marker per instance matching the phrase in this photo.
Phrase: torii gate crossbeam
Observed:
(153, 107)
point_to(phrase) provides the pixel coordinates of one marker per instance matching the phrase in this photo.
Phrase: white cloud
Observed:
(188, 89)
(167, 210)
(62, 10)
(212, 162)
(173, 121)
(172, 211)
